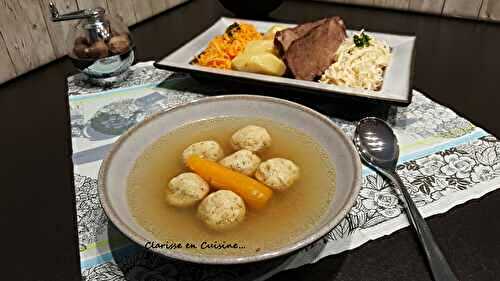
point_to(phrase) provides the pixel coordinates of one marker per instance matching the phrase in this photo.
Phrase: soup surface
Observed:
(288, 216)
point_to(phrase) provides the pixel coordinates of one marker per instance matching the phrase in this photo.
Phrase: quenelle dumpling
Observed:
(185, 190)
(251, 137)
(243, 161)
(222, 210)
(210, 150)
(278, 173)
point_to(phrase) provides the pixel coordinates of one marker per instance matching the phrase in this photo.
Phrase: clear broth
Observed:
(289, 215)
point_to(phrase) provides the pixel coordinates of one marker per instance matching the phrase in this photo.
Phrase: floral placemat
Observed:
(445, 161)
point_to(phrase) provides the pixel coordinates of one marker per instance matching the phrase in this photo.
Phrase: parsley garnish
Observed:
(232, 28)
(361, 40)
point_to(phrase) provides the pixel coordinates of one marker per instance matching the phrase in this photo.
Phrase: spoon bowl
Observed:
(378, 142)
(378, 146)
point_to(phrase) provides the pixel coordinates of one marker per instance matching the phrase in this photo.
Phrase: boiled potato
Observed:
(264, 63)
(260, 46)
(240, 62)
(272, 31)
(259, 56)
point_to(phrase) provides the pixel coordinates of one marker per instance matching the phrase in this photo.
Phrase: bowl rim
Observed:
(201, 259)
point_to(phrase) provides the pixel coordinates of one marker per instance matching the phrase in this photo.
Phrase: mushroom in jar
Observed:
(243, 161)
(98, 50)
(119, 44)
(185, 190)
(210, 150)
(277, 173)
(251, 137)
(222, 210)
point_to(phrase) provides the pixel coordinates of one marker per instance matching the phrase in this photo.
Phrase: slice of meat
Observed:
(284, 38)
(310, 55)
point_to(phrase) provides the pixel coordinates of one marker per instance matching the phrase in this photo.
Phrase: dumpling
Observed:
(251, 137)
(185, 190)
(222, 210)
(210, 150)
(243, 161)
(278, 173)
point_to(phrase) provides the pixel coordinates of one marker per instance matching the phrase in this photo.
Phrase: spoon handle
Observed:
(441, 271)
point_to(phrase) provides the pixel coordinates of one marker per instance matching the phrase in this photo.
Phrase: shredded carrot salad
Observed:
(223, 48)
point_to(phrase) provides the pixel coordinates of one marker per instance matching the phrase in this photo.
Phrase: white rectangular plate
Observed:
(397, 79)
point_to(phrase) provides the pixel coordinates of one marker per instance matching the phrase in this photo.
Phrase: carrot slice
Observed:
(254, 193)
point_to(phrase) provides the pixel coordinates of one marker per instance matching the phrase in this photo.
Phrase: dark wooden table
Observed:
(457, 64)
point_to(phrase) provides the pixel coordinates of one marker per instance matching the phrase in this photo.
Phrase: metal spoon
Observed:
(378, 146)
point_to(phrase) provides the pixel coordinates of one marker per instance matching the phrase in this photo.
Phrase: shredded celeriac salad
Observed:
(359, 66)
